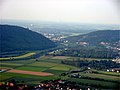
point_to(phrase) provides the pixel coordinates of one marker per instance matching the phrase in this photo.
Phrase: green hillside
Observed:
(15, 38)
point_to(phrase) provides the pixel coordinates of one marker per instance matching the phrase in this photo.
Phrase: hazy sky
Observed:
(83, 11)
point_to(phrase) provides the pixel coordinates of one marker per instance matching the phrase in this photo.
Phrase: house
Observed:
(2, 71)
(75, 75)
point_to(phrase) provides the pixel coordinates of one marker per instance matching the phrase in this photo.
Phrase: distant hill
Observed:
(96, 37)
(15, 38)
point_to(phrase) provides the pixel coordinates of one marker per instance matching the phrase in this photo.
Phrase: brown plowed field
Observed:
(30, 72)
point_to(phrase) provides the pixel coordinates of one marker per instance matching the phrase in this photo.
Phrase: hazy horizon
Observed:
(73, 11)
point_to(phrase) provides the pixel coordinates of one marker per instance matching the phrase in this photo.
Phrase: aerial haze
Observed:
(59, 44)
(82, 11)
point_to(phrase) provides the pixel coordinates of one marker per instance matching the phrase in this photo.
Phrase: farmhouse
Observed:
(2, 71)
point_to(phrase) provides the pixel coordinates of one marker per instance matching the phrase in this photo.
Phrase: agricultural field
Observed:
(107, 73)
(105, 77)
(33, 65)
(19, 57)
(95, 83)
(53, 66)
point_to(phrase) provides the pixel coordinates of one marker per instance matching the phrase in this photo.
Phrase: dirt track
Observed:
(30, 72)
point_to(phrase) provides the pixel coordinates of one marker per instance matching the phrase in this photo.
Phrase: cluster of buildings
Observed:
(117, 60)
(113, 70)
(46, 85)
(82, 43)
(54, 37)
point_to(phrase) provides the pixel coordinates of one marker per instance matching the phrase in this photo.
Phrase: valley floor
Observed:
(52, 66)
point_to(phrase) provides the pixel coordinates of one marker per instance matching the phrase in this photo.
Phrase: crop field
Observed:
(28, 78)
(53, 66)
(30, 72)
(63, 67)
(106, 77)
(9, 65)
(95, 82)
(43, 64)
(109, 73)
(60, 57)
(19, 57)
(27, 68)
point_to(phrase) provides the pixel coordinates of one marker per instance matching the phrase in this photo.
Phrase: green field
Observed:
(63, 67)
(43, 64)
(54, 66)
(24, 77)
(27, 68)
(110, 85)
(108, 73)
(19, 57)
(106, 77)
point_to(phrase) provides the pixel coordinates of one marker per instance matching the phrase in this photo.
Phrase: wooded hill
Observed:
(94, 38)
(15, 38)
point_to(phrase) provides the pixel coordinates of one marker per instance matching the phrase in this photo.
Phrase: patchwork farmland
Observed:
(32, 71)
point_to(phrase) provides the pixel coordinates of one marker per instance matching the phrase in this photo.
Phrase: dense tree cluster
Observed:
(94, 38)
(101, 64)
(15, 38)
(90, 52)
